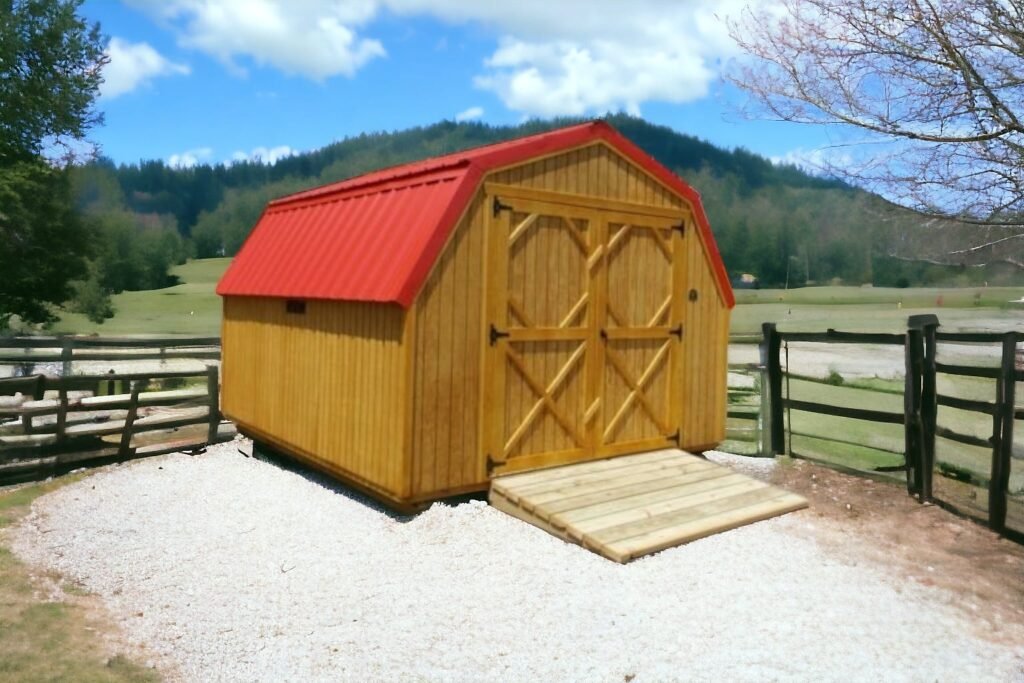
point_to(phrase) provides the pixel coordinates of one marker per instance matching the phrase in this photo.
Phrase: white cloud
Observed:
(470, 114)
(132, 65)
(591, 56)
(566, 57)
(814, 160)
(312, 38)
(190, 157)
(266, 155)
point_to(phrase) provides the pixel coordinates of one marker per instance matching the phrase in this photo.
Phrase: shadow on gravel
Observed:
(267, 454)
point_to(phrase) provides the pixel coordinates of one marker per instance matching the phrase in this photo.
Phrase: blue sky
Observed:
(213, 80)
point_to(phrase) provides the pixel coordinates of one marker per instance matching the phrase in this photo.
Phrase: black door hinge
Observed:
(497, 207)
(496, 334)
(681, 228)
(604, 334)
(677, 438)
(678, 331)
(492, 463)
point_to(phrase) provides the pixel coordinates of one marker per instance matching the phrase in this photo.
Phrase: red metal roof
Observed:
(376, 236)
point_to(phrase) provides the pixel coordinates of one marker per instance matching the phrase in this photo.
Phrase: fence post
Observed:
(62, 411)
(929, 405)
(133, 410)
(764, 422)
(929, 402)
(1002, 449)
(773, 343)
(67, 347)
(213, 388)
(912, 432)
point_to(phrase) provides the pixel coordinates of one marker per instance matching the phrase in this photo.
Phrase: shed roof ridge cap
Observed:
(364, 180)
(350, 193)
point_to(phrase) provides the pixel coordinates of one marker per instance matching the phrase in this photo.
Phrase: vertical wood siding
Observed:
(450, 330)
(593, 170)
(327, 385)
(447, 372)
(705, 351)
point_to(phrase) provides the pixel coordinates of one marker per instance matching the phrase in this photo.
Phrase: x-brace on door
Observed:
(583, 331)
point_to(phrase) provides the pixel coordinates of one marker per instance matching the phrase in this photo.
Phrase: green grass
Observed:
(192, 307)
(49, 641)
(910, 297)
(189, 308)
(874, 309)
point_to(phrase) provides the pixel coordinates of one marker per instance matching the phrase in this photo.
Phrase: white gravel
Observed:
(233, 569)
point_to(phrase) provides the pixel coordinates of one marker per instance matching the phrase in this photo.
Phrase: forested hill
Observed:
(776, 222)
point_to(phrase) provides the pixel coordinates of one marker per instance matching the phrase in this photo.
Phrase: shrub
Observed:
(834, 378)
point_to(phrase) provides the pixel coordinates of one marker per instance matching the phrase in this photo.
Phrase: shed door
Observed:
(583, 333)
(541, 399)
(642, 332)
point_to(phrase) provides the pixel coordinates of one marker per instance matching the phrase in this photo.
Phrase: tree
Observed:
(41, 243)
(932, 89)
(50, 63)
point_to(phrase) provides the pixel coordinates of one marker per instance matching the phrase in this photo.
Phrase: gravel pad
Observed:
(233, 569)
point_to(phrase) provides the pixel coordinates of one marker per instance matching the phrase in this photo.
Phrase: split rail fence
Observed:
(946, 429)
(51, 423)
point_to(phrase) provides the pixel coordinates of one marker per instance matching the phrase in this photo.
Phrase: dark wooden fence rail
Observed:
(921, 400)
(56, 430)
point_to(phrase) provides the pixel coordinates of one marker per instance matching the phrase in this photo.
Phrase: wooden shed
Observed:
(418, 330)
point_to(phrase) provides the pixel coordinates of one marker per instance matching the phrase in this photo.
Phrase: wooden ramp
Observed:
(635, 505)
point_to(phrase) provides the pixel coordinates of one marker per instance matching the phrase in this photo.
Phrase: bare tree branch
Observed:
(936, 87)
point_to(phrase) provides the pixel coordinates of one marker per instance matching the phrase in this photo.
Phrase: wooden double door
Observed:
(585, 329)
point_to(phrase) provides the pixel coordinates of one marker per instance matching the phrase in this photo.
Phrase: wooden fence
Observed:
(746, 433)
(78, 417)
(917, 460)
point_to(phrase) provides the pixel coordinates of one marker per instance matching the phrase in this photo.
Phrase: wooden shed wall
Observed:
(449, 325)
(705, 353)
(594, 170)
(328, 385)
(447, 367)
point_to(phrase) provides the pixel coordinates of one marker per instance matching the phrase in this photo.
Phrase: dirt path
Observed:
(877, 523)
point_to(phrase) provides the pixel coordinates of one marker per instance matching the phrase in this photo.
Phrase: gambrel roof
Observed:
(375, 237)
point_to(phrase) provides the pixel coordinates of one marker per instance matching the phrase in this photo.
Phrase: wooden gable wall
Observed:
(450, 329)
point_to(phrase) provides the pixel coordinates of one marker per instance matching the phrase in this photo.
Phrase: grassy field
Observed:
(46, 638)
(876, 309)
(189, 308)
(192, 307)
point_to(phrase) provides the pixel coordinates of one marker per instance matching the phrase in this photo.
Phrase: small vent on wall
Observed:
(297, 306)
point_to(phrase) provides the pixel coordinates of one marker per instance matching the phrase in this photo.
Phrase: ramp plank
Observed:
(635, 505)
(587, 505)
(616, 479)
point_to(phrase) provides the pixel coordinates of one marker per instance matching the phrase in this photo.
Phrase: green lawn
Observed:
(192, 307)
(875, 309)
(189, 308)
